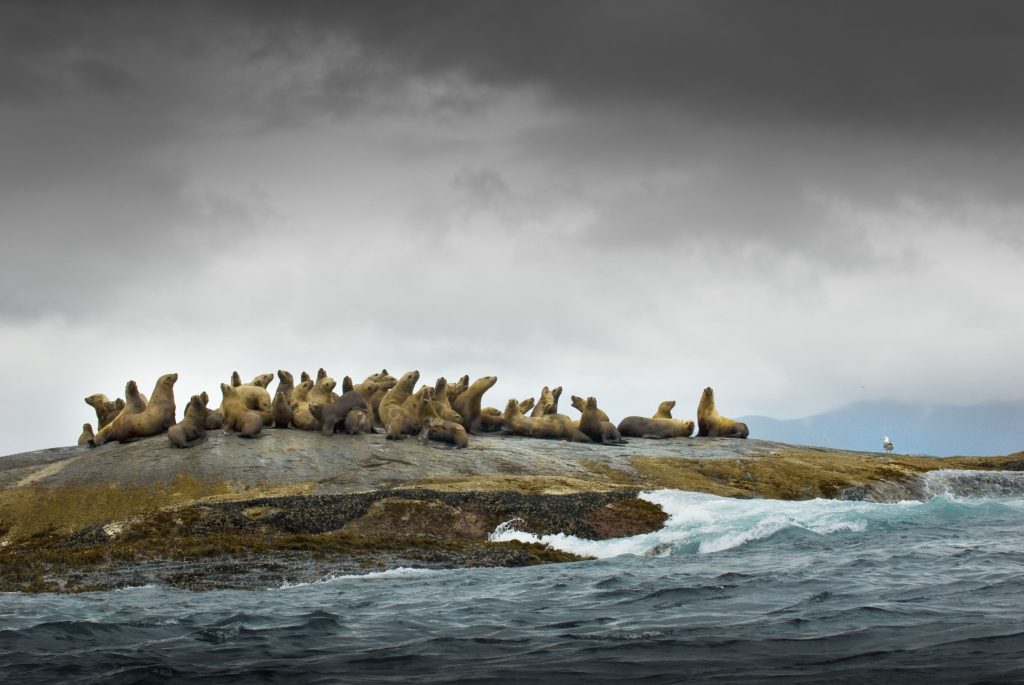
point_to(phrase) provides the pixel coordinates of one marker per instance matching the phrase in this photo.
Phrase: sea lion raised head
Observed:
(712, 424)
(664, 410)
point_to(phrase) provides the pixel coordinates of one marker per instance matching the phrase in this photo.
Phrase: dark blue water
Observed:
(729, 591)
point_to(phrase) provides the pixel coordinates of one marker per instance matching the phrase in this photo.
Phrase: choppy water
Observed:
(728, 591)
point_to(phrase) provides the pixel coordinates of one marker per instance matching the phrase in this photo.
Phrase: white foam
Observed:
(707, 524)
(399, 572)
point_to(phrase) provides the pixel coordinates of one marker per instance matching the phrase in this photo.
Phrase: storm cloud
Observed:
(799, 203)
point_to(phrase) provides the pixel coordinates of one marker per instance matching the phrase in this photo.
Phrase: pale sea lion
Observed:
(237, 416)
(712, 424)
(155, 418)
(580, 404)
(106, 410)
(548, 426)
(87, 436)
(467, 404)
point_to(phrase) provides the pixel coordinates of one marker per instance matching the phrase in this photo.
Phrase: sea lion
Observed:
(301, 392)
(285, 384)
(580, 404)
(214, 419)
(321, 374)
(191, 430)
(323, 390)
(303, 377)
(456, 389)
(467, 404)
(548, 426)
(444, 431)
(106, 411)
(711, 424)
(155, 418)
(257, 399)
(548, 402)
(237, 416)
(598, 429)
(332, 415)
(87, 435)
(401, 421)
(396, 396)
(358, 421)
(281, 410)
(664, 410)
(643, 427)
(347, 385)
(302, 418)
(236, 380)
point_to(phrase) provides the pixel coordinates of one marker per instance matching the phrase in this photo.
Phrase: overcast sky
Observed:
(800, 204)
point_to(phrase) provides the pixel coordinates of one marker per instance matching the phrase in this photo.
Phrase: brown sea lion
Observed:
(304, 377)
(106, 411)
(580, 404)
(358, 421)
(467, 404)
(347, 385)
(237, 416)
(214, 419)
(598, 429)
(191, 430)
(156, 418)
(321, 374)
(711, 424)
(444, 431)
(332, 415)
(548, 426)
(281, 410)
(87, 436)
(236, 380)
(285, 384)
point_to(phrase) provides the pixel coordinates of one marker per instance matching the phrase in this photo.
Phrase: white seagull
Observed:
(887, 444)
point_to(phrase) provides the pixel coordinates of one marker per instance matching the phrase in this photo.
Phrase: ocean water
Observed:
(728, 591)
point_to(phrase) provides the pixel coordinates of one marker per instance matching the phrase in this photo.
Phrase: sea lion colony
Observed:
(445, 412)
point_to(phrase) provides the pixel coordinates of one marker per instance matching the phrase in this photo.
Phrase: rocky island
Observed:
(294, 506)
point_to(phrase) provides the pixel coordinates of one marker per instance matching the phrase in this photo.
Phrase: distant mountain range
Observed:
(941, 430)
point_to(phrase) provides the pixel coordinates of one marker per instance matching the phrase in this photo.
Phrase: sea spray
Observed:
(699, 523)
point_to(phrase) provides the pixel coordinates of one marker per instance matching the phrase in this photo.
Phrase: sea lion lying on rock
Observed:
(711, 424)
(191, 430)
(237, 416)
(155, 418)
(598, 429)
(106, 411)
(87, 436)
(548, 427)
(302, 418)
(660, 426)
(255, 396)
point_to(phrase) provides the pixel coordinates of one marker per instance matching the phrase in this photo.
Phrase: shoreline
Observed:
(294, 506)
